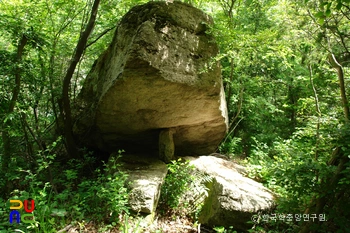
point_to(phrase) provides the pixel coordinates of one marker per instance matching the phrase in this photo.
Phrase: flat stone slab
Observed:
(146, 176)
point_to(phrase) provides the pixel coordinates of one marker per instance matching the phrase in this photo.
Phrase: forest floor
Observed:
(161, 224)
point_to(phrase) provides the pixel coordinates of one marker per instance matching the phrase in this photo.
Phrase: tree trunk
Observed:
(340, 73)
(338, 158)
(66, 113)
(15, 92)
(292, 99)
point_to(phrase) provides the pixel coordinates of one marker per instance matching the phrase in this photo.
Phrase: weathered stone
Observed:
(157, 73)
(233, 198)
(166, 145)
(146, 176)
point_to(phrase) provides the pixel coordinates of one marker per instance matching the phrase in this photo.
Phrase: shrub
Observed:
(176, 182)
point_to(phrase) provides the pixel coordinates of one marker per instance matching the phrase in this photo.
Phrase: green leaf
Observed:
(319, 14)
(324, 3)
(321, 21)
(59, 212)
(339, 5)
(51, 221)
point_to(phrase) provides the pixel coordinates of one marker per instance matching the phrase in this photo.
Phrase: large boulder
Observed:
(232, 198)
(157, 74)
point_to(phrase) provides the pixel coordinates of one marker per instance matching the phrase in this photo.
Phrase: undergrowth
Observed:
(184, 190)
(176, 183)
(79, 193)
(298, 170)
(76, 193)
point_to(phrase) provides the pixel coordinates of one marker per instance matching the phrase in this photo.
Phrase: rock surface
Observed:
(158, 73)
(166, 145)
(146, 176)
(233, 198)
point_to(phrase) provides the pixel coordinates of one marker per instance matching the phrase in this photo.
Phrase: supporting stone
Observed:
(166, 145)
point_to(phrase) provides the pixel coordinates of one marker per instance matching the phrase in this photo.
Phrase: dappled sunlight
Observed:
(127, 116)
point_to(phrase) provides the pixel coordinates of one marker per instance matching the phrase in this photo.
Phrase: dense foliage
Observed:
(285, 66)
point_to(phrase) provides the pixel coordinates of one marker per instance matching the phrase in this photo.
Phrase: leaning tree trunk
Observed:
(66, 111)
(340, 73)
(339, 158)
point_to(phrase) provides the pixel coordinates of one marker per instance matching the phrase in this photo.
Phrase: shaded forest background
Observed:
(285, 66)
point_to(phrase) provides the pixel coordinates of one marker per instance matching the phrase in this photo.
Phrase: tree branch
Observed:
(66, 114)
(99, 36)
